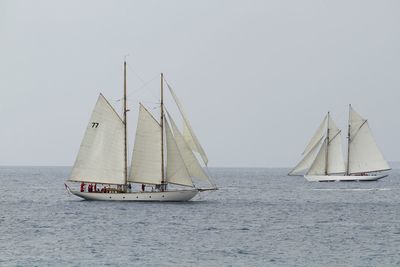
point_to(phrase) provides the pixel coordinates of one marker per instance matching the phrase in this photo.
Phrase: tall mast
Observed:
(348, 144)
(162, 133)
(327, 144)
(125, 126)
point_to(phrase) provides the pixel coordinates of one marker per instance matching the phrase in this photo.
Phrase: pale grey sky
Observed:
(255, 77)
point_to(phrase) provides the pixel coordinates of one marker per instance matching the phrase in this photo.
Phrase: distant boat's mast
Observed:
(348, 144)
(125, 126)
(327, 144)
(162, 133)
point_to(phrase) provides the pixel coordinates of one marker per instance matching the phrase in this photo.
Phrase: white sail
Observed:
(319, 165)
(336, 163)
(146, 157)
(192, 165)
(307, 160)
(176, 168)
(188, 133)
(319, 134)
(364, 155)
(101, 155)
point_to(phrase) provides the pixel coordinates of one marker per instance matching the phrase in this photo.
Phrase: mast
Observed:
(125, 129)
(162, 133)
(327, 144)
(348, 144)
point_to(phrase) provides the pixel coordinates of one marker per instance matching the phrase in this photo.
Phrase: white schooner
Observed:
(323, 157)
(162, 156)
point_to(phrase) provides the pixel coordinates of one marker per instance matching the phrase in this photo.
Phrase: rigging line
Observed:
(136, 74)
(141, 88)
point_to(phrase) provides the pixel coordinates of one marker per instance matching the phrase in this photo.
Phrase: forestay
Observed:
(146, 157)
(101, 155)
(177, 172)
(364, 155)
(188, 133)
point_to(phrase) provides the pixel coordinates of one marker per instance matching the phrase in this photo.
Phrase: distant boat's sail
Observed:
(329, 158)
(311, 150)
(318, 135)
(177, 172)
(146, 157)
(335, 162)
(319, 164)
(307, 160)
(101, 154)
(192, 165)
(364, 155)
(188, 133)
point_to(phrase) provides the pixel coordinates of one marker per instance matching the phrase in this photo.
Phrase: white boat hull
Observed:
(337, 178)
(176, 195)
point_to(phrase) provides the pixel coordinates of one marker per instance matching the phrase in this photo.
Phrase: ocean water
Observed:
(259, 217)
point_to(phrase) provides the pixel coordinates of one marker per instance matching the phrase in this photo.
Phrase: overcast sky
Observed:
(256, 77)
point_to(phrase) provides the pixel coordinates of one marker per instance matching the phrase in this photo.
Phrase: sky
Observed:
(255, 77)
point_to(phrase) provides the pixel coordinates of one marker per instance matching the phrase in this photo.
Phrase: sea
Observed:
(258, 217)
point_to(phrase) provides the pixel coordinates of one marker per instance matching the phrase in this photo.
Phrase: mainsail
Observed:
(188, 133)
(146, 157)
(364, 154)
(335, 160)
(101, 155)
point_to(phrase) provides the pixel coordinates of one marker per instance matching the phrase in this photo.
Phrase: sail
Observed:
(307, 160)
(176, 168)
(319, 134)
(192, 165)
(146, 157)
(336, 163)
(188, 133)
(318, 166)
(364, 155)
(101, 155)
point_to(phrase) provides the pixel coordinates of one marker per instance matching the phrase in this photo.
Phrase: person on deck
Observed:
(143, 187)
(82, 187)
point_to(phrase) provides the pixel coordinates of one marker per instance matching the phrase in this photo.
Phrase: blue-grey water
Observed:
(259, 217)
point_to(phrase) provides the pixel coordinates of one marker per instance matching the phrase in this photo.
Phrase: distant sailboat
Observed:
(323, 156)
(102, 158)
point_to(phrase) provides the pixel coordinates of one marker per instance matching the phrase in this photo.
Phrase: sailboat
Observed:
(164, 159)
(323, 157)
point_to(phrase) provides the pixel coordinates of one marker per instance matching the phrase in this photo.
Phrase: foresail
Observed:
(176, 168)
(306, 161)
(146, 157)
(365, 155)
(319, 164)
(192, 165)
(101, 155)
(318, 135)
(188, 133)
(336, 163)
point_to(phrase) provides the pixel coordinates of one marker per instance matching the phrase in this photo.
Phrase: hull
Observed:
(343, 178)
(173, 196)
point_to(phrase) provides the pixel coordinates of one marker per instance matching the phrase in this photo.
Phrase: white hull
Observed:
(337, 178)
(177, 195)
